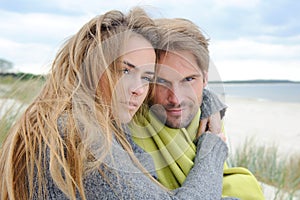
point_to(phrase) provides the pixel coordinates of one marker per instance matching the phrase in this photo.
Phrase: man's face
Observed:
(179, 89)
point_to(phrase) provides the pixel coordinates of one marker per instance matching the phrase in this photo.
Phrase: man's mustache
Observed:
(171, 105)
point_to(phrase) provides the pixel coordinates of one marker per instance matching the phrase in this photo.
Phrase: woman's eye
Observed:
(125, 71)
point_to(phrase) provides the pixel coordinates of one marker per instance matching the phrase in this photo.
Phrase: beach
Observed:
(268, 122)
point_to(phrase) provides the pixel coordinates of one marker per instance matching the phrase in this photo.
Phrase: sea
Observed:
(281, 92)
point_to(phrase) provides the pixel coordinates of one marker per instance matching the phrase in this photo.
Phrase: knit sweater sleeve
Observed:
(211, 104)
(205, 178)
(121, 179)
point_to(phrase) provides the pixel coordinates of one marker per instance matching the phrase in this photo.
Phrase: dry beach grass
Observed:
(264, 137)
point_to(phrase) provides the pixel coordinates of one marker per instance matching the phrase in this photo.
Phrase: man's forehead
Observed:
(181, 63)
(172, 75)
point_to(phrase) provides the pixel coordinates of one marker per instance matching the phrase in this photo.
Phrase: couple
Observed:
(118, 118)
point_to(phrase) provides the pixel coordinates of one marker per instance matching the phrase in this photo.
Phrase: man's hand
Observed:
(212, 124)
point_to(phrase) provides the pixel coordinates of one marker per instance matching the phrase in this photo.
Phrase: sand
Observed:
(270, 123)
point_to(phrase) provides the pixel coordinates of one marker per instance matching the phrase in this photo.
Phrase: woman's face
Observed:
(136, 72)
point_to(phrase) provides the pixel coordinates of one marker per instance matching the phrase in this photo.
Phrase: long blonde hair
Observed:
(59, 127)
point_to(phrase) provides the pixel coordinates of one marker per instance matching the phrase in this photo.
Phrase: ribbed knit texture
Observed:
(172, 150)
(126, 181)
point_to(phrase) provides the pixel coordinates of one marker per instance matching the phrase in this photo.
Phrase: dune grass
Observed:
(15, 95)
(263, 161)
(269, 167)
(10, 110)
(23, 90)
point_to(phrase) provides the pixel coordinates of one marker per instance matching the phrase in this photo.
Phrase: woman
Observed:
(70, 142)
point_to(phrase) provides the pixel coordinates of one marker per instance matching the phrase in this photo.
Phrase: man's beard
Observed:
(175, 122)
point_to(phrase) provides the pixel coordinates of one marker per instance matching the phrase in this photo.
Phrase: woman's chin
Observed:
(125, 118)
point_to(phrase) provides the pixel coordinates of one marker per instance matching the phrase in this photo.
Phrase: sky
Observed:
(258, 39)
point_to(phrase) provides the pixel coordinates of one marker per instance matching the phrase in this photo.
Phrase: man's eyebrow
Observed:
(128, 64)
(194, 75)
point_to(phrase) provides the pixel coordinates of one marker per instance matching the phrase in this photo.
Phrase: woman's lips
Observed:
(131, 105)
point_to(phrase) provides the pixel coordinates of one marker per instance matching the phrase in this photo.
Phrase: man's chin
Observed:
(174, 124)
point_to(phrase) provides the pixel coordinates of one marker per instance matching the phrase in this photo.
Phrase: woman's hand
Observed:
(212, 124)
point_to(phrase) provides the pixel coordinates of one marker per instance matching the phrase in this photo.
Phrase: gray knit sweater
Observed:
(211, 104)
(122, 179)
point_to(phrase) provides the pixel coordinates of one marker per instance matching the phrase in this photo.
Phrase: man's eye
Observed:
(148, 79)
(160, 80)
(189, 78)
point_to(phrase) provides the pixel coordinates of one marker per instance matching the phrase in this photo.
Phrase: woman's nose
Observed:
(138, 89)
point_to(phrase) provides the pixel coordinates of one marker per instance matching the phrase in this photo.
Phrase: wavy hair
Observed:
(59, 128)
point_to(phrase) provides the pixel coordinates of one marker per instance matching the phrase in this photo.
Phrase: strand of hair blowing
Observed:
(24, 150)
(35, 142)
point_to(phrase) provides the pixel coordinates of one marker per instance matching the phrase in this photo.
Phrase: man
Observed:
(173, 121)
(172, 125)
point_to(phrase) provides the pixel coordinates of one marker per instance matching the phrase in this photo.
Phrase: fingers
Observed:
(202, 127)
(222, 136)
(215, 123)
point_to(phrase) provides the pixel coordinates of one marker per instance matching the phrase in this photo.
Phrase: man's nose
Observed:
(174, 95)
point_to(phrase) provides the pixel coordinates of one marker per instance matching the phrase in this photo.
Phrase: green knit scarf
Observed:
(172, 150)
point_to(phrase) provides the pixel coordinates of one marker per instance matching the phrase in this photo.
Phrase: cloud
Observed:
(258, 69)
(236, 3)
(30, 40)
(39, 27)
(246, 36)
(257, 58)
(27, 57)
(250, 48)
(78, 7)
